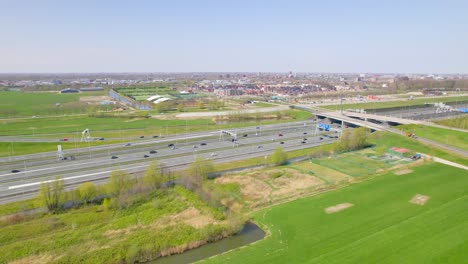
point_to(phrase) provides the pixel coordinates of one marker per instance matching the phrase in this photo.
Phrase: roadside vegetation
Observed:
(449, 137)
(457, 122)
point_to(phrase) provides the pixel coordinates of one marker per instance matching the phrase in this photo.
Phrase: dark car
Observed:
(101, 139)
(260, 147)
(195, 146)
(114, 157)
(281, 142)
(128, 145)
(245, 135)
(305, 139)
(305, 133)
(303, 142)
(15, 171)
(146, 156)
(203, 144)
(321, 138)
(280, 135)
(155, 136)
(153, 152)
(142, 136)
(170, 145)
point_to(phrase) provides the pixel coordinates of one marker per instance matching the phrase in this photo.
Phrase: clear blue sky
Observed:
(173, 35)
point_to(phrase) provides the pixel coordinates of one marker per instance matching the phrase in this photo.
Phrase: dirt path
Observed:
(446, 162)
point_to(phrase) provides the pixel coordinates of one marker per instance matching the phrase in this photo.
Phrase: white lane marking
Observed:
(67, 178)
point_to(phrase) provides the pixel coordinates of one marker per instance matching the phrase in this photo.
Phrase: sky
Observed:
(234, 36)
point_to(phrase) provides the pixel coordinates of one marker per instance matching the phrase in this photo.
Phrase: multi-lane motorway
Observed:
(21, 176)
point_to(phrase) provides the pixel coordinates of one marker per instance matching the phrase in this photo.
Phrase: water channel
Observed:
(250, 233)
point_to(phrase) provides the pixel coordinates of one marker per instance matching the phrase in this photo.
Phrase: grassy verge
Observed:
(457, 122)
(445, 136)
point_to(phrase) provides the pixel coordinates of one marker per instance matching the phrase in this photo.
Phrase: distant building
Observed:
(69, 90)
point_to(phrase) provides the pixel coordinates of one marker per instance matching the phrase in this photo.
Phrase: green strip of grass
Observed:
(453, 138)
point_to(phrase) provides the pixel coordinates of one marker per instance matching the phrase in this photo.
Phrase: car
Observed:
(114, 157)
(305, 139)
(203, 144)
(128, 145)
(305, 133)
(146, 156)
(321, 138)
(195, 146)
(245, 135)
(15, 171)
(259, 147)
(281, 142)
(155, 136)
(213, 154)
(257, 127)
(64, 139)
(280, 135)
(101, 139)
(142, 136)
(171, 145)
(303, 142)
(153, 152)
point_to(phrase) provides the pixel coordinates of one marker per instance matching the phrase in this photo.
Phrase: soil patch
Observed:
(419, 199)
(402, 172)
(337, 208)
(94, 99)
(37, 259)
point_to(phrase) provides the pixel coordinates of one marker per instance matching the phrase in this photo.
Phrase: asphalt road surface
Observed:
(96, 163)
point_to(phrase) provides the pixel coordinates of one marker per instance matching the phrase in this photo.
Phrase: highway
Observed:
(95, 163)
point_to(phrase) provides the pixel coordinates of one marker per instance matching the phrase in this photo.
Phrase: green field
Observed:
(14, 104)
(457, 122)
(379, 105)
(381, 227)
(454, 138)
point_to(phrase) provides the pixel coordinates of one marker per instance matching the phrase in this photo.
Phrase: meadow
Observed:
(381, 226)
(376, 104)
(19, 104)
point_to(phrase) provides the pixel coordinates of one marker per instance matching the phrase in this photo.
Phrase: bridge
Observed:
(384, 125)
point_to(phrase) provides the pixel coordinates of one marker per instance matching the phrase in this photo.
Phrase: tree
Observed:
(119, 182)
(353, 139)
(87, 191)
(50, 193)
(200, 105)
(154, 176)
(198, 171)
(279, 157)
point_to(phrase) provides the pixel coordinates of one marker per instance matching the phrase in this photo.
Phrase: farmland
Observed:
(381, 226)
(15, 104)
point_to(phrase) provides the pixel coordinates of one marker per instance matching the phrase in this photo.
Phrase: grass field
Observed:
(13, 104)
(379, 105)
(458, 122)
(445, 136)
(381, 227)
